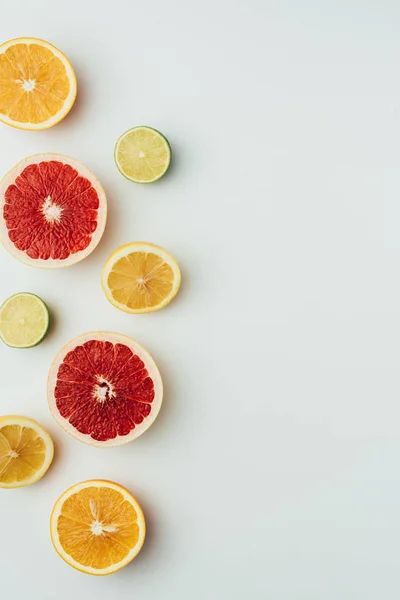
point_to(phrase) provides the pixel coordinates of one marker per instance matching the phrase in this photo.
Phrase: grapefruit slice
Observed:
(97, 527)
(104, 389)
(37, 84)
(53, 211)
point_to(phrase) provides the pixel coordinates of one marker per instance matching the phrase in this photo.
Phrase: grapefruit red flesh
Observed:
(104, 389)
(53, 211)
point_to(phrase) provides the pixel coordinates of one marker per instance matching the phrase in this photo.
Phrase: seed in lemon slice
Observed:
(24, 320)
(143, 154)
(37, 84)
(26, 451)
(97, 527)
(140, 278)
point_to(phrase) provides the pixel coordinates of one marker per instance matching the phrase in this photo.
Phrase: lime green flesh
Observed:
(24, 320)
(143, 154)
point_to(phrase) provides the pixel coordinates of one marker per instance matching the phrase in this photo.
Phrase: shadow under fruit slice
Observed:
(26, 451)
(97, 527)
(104, 389)
(53, 211)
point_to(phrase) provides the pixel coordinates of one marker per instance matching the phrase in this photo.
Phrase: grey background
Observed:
(273, 469)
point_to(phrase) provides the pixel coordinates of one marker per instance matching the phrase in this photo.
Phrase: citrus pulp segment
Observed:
(104, 389)
(26, 451)
(140, 278)
(53, 211)
(24, 320)
(97, 527)
(142, 154)
(37, 84)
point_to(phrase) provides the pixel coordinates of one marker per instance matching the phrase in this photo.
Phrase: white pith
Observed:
(103, 390)
(101, 211)
(29, 85)
(152, 371)
(97, 527)
(52, 212)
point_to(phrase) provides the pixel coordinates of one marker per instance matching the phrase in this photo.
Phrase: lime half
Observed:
(142, 154)
(24, 320)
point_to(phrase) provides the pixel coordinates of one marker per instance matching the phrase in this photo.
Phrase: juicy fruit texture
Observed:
(37, 84)
(53, 211)
(97, 527)
(26, 451)
(104, 389)
(140, 278)
(143, 154)
(24, 320)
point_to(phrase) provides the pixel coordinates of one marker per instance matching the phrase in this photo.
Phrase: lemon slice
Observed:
(140, 278)
(24, 320)
(37, 84)
(26, 451)
(97, 527)
(142, 154)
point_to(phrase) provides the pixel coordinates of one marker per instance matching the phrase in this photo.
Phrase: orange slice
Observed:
(26, 451)
(97, 527)
(140, 278)
(37, 84)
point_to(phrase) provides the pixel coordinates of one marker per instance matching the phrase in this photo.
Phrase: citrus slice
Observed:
(26, 451)
(37, 84)
(143, 154)
(53, 211)
(24, 320)
(140, 278)
(97, 527)
(104, 389)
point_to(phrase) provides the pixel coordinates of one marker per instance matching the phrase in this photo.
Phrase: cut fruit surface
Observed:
(26, 451)
(53, 211)
(104, 389)
(37, 84)
(97, 527)
(24, 320)
(142, 154)
(140, 278)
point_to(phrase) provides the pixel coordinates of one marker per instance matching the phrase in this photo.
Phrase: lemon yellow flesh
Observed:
(97, 527)
(34, 84)
(24, 320)
(141, 280)
(22, 454)
(143, 154)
